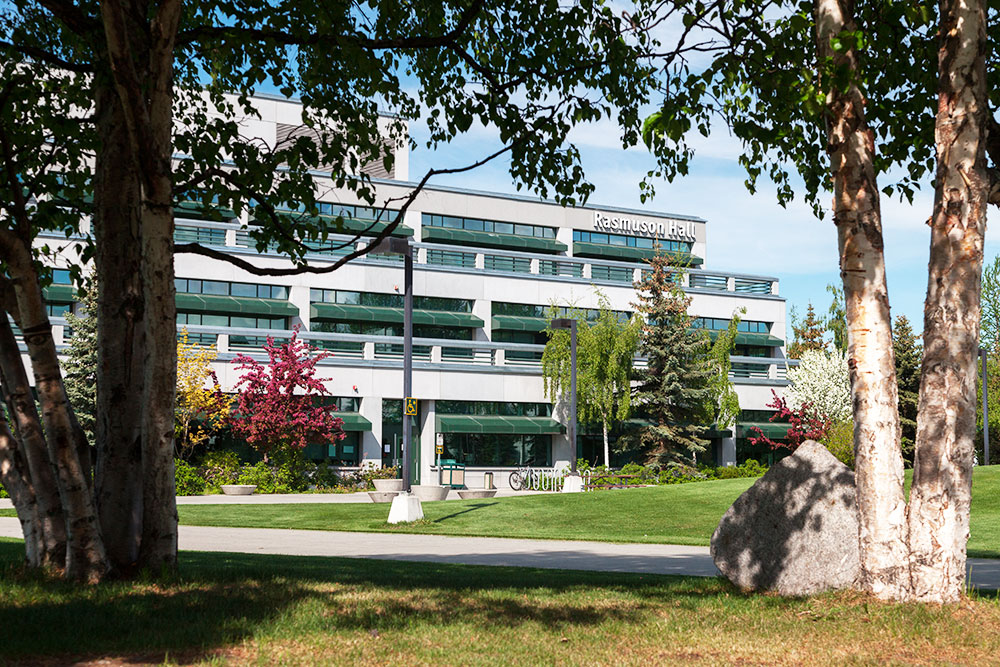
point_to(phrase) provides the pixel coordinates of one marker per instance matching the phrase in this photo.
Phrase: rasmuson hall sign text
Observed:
(674, 229)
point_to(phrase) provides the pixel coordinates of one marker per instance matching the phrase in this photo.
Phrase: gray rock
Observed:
(795, 531)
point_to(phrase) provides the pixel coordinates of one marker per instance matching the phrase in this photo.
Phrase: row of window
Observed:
(488, 408)
(490, 449)
(494, 226)
(630, 241)
(224, 288)
(533, 310)
(389, 300)
(222, 320)
(719, 324)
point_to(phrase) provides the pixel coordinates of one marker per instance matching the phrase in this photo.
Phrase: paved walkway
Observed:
(294, 498)
(557, 554)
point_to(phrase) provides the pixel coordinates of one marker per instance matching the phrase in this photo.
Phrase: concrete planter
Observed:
(388, 485)
(382, 496)
(429, 492)
(239, 489)
(472, 494)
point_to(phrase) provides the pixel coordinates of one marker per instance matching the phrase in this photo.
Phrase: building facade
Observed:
(487, 269)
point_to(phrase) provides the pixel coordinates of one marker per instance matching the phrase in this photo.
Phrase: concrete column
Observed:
(727, 452)
(230, 237)
(435, 354)
(428, 439)
(483, 309)
(371, 441)
(222, 343)
(412, 219)
(298, 295)
(565, 235)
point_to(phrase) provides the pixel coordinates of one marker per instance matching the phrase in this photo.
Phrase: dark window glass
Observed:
(243, 290)
(503, 227)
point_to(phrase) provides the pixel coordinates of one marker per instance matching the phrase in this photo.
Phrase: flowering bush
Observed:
(805, 424)
(823, 383)
(276, 405)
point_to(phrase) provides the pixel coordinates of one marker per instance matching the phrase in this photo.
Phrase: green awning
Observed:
(498, 424)
(519, 323)
(771, 430)
(490, 239)
(710, 432)
(357, 313)
(758, 339)
(196, 211)
(60, 293)
(354, 421)
(742, 338)
(627, 253)
(214, 303)
(345, 226)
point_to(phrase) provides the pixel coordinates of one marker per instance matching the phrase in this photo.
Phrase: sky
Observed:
(746, 233)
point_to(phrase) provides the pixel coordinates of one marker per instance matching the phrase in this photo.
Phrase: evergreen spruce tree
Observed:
(80, 370)
(675, 388)
(807, 335)
(908, 354)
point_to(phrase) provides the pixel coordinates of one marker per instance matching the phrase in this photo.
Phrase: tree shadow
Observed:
(220, 600)
(471, 508)
(774, 543)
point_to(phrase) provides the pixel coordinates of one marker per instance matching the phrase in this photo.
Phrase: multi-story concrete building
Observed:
(487, 268)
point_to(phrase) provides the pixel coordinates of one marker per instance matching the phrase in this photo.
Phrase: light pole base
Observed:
(572, 484)
(405, 508)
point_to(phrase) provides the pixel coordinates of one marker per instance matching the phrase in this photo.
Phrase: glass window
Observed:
(599, 238)
(523, 230)
(214, 287)
(243, 290)
(348, 298)
(615, 239)
(503, 227)
(215, 320)
(474, 225)
(452, 223)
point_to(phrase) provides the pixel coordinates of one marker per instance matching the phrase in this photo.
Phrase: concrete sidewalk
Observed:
(553, 554)
(279, 498)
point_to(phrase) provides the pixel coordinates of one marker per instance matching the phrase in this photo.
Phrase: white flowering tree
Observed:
(822, 380)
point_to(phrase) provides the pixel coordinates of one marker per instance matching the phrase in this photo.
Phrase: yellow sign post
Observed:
(411, 407)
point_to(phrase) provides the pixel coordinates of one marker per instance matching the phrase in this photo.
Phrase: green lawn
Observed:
(677, 514)
(240, 609)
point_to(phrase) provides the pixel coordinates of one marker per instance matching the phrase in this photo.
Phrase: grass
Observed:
(239, 609)
(676, 514)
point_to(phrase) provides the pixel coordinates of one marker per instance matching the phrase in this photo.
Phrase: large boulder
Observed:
(795, 531)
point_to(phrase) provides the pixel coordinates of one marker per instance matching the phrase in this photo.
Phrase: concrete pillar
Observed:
(727, 452)
(371, 441)
(298, 295)
(428, 440)
(483, 309)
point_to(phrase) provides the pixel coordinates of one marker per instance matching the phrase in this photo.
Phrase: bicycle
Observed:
(525, 477)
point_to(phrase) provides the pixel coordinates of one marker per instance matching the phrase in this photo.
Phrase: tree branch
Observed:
(43, 56)
(197, 249)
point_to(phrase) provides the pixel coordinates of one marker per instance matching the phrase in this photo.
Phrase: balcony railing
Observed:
(442, 257)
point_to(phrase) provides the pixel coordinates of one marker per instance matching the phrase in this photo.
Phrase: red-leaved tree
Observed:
(802, 425)
(276, 406)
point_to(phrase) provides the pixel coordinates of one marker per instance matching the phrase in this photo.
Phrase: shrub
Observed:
(220, 468)
(187, 479)
(370, 472)
(260, 475)
(3, 492)
(840, 441)
(325, 477)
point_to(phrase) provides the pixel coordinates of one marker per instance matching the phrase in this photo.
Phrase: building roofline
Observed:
(537, 200)
(276, 97)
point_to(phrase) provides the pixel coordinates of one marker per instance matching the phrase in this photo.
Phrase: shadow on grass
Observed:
(219, 600)
(472, 508)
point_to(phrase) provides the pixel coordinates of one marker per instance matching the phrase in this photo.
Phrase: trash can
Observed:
(488, 480)
(452, 474)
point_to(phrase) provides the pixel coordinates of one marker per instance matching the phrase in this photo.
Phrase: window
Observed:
(465, 260)
(61, 277)
(378, 299)
(221, 288)
(488, 408)
(718, 324)
(495, 227)
(490, 449)
(630, 241)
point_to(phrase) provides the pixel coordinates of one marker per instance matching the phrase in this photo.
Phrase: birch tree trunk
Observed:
(946, 419)
(16, 479)
(85, 556)
(120, 340)
(607, 450)
(857, 216)
(145, 87)
(50, 529)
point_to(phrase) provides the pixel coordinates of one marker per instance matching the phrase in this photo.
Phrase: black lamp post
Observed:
(401, 246)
